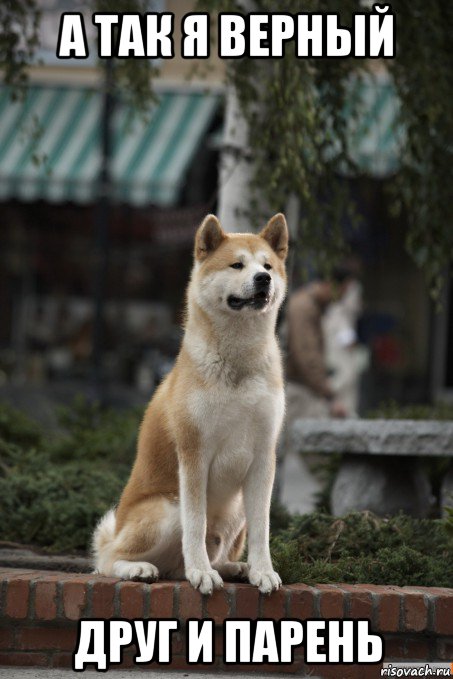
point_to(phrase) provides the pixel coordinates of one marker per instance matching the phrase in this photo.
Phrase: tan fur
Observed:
(206, 449)
(238, 546)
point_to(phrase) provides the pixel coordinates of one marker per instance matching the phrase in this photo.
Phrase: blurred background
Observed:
(99, 205)
(107, 168)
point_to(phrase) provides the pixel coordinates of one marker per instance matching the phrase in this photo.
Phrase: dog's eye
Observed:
(268, 267)
(237, 265)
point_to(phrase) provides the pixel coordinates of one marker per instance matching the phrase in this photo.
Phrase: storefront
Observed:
(163, 178)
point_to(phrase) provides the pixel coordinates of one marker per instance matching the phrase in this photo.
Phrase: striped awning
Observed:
(50, 145)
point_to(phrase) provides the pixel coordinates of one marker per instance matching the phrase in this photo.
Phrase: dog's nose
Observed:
(262, 279)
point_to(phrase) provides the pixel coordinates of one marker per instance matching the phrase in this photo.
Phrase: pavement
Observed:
(44, 673)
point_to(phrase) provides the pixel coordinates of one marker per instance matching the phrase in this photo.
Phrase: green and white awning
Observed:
(50, 145)
(50, 141)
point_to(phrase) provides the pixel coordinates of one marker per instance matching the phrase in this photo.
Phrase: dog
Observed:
(205, 463)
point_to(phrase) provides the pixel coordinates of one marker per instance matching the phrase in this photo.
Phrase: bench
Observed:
(381, 468)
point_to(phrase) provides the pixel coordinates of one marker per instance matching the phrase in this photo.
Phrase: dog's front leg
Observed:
(193, 487)
(257, 500)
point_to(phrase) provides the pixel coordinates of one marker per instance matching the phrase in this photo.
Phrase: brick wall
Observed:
(39, 612)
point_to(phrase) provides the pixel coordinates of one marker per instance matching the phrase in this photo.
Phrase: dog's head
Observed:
(240, 273)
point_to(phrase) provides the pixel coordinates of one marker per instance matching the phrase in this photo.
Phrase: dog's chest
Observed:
(234, 423)
(224, 413)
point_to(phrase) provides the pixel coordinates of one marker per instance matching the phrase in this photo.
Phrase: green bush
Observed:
(54, 506)
(53, 489)
(18, 428)
(391, 410)
(92, 433)
(361, 547)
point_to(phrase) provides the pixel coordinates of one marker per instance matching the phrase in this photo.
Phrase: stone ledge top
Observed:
(32, 597)
(374, 437)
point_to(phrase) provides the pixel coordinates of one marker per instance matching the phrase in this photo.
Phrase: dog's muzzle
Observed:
(260, 298)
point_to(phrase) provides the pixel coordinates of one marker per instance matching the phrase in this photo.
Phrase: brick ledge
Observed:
(39, 611)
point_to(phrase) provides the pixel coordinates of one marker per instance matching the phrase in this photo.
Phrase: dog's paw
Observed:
(234, 569)
(204, 580)
(135, 570)
(266, 581)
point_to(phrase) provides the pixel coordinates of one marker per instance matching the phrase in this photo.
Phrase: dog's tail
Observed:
(102, 542)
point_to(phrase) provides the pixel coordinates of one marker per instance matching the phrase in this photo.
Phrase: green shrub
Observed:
(54, 506)
(92, 433)
(53, 490)
(361, 547)
(16, 427)
(391, 410)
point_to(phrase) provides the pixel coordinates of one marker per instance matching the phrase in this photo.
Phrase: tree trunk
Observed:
(236, 169)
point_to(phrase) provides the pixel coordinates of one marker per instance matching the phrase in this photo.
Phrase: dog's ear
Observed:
(208, 238)
(276, 234)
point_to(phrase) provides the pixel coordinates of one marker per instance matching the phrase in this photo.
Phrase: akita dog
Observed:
(206, 451)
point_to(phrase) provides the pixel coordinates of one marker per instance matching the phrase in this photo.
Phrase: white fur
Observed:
(212, 291)
(166, 553)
